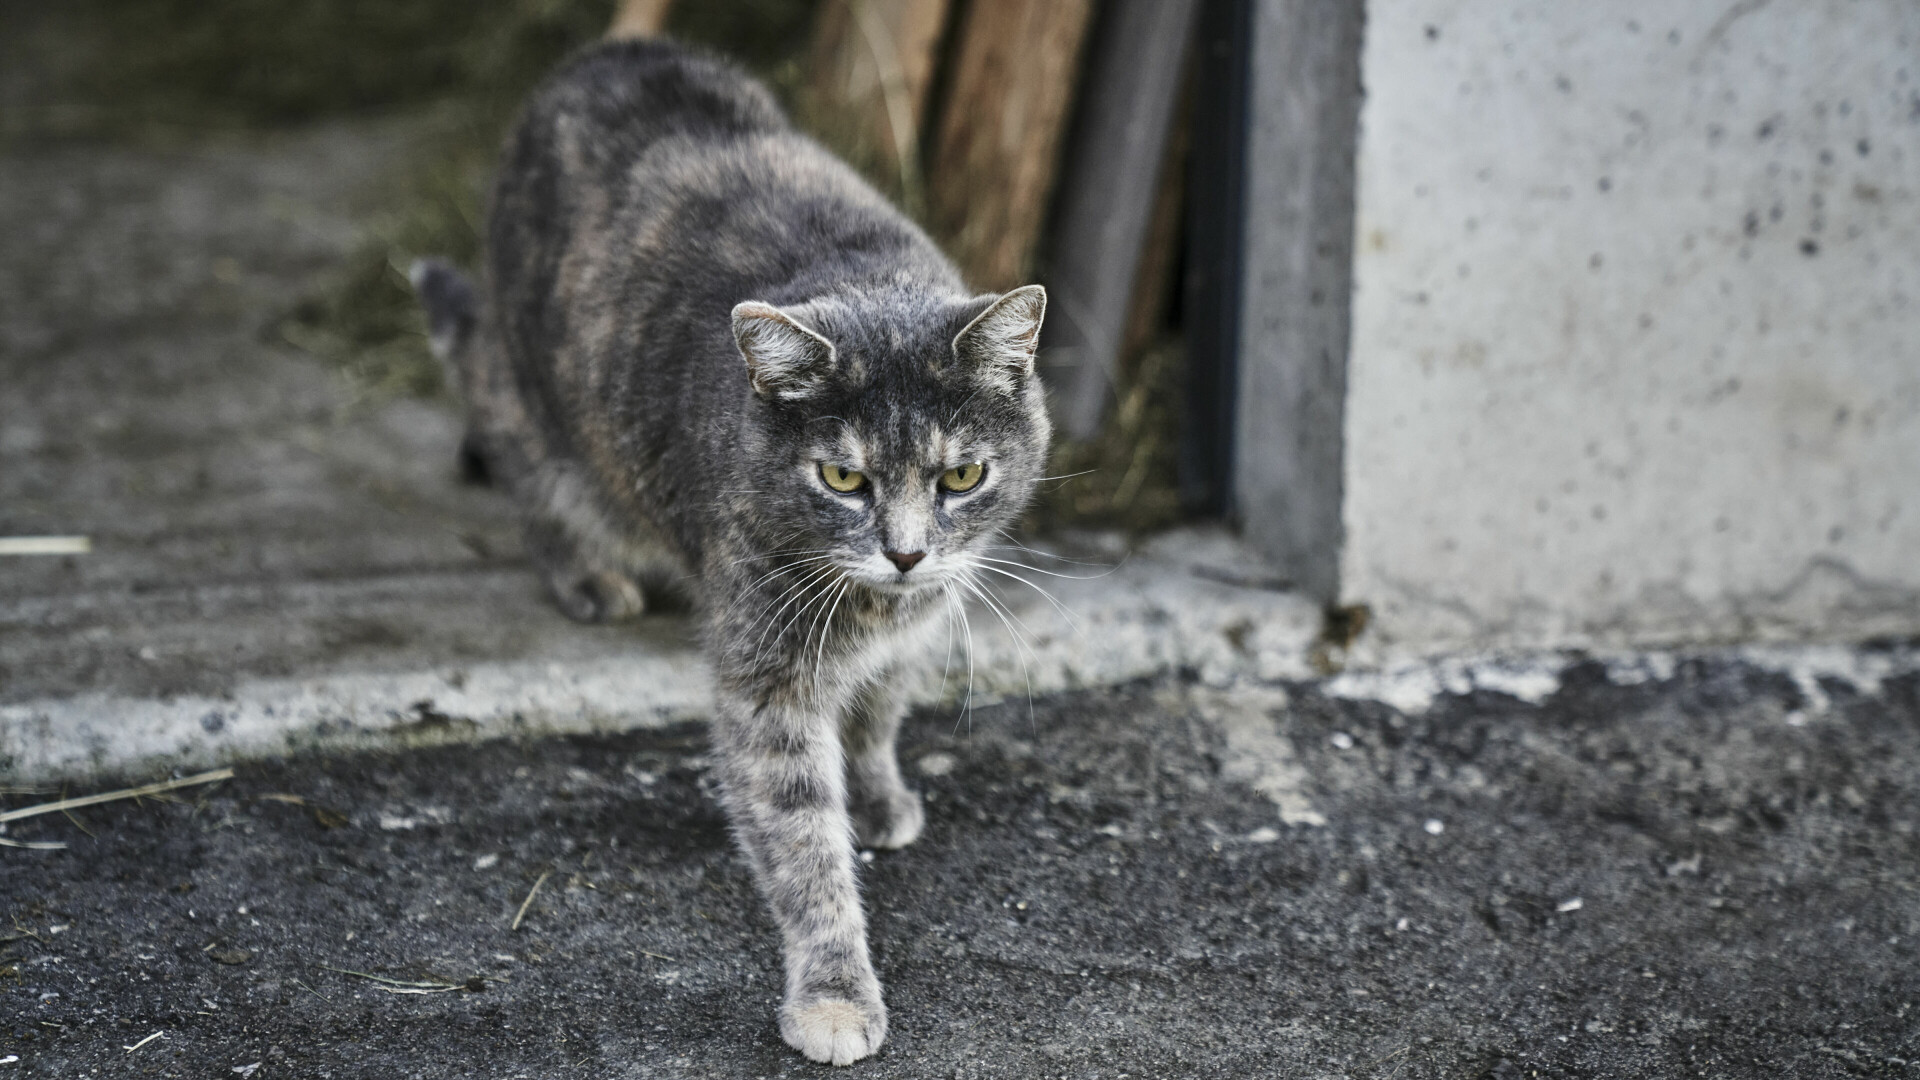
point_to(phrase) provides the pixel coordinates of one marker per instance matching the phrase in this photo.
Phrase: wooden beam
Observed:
(1111, 175)
(869, 74)
(639, 19)
(997, 145)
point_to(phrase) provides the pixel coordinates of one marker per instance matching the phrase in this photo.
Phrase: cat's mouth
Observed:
(878, 574)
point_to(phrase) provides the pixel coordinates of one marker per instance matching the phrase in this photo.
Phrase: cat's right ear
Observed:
(1001, 341)
(785, 358)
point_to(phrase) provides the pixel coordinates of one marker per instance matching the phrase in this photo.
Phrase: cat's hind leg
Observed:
(594, 565)
(585, 589)
(886, 813)
(590, 568)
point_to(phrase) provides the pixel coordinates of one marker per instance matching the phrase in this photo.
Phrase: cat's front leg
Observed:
(784, 784)
(886, 813)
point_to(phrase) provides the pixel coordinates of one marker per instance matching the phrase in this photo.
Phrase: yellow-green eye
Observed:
(844, 481)
(963, 477)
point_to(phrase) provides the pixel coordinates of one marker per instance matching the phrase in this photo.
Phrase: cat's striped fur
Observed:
(688, 309)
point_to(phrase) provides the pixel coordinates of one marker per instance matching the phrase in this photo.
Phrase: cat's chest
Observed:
(886, 634)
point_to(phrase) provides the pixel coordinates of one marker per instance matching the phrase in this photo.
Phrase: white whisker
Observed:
(776, 554)
(966, 707)
(1021, 648)
(775, 572)
(1014, 541)
(1043, 479)
(1049, 573)
(813, 604)
(948, 668)
(795, 591)
(1051, 599)
(826, 629)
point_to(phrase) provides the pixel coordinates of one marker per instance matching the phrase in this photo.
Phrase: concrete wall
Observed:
(1636, 323)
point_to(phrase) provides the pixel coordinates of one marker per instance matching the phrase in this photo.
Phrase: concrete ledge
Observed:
(1192, 601)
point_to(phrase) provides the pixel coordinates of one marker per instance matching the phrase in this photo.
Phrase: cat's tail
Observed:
(453, 316)
(452, 311)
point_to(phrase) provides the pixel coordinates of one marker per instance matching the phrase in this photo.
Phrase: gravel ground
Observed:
(1685, 877)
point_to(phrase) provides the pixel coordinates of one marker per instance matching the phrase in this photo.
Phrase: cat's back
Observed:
(608, 105)
(574, 149)
(669, 184)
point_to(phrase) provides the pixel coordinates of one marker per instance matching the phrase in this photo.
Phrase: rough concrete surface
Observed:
(1634, 319)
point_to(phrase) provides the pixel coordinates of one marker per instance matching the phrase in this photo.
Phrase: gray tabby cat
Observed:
(707, 350)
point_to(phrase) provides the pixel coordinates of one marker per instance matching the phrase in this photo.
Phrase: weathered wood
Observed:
(1111, 174)
(869, 75)
(999, 133)
(639, 18)
(1157, 276)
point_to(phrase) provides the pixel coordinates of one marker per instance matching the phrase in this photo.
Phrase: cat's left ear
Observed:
(1002, 340)
(786, 359)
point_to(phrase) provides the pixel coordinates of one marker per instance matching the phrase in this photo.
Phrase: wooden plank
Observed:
(869, 76)
(639, 18)
(1111, 175)
(1157, 278)
(998, 139)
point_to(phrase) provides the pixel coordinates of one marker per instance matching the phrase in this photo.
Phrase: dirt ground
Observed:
(1686, 877)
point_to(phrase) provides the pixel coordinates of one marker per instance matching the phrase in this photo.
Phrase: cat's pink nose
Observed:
(904, 561)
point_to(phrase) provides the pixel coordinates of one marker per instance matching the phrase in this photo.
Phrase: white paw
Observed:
(834, 1030)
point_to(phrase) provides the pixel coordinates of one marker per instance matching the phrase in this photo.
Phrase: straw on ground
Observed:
(45, 545)
(528, 902)
(114, 796)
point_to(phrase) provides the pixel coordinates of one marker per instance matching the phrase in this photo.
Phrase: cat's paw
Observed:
(889, 821)
(833, 1029)
(598, 596)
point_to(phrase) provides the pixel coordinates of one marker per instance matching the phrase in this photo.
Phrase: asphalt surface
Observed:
(1684, 877)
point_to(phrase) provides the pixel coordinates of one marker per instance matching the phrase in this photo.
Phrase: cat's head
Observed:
(895, 434)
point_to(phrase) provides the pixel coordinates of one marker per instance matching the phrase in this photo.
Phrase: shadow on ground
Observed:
(1669, 879)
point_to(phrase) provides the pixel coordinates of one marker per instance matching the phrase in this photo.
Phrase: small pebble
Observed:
(1435, 826)
(1265, 834)
(1341, 740)
(486, 862)
(1574, 904)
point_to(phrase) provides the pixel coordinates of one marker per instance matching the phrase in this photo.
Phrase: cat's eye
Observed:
(963, 477)
(844, 481)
